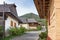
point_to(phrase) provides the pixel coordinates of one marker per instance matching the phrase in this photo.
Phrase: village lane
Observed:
(32, 35)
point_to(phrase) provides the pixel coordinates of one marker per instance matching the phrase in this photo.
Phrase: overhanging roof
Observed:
(42, 7)
(9, 9)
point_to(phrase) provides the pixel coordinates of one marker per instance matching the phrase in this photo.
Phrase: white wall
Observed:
(8, 21)
(25, 25)
(33, 27)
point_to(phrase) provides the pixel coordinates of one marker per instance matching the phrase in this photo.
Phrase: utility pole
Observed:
(4, 20)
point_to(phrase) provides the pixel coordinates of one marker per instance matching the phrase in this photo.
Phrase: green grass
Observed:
(14, 32)
(6, 38)
(9, 37)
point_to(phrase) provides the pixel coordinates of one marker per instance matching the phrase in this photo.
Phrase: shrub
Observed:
(1, 31)
(12, 31)
(43, 35)
(39, 27)
(42, 39)
(22, 29)
(17, 31)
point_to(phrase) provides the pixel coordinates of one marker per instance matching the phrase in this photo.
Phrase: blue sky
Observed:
(23, 6)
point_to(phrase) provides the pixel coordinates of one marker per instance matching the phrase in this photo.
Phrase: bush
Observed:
(43, 35)
(39, 27)
(1, 31)
(17, 31)
(12, 31)
(42, 39)
(22, 29)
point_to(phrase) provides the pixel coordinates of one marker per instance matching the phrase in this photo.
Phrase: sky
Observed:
(23, 6)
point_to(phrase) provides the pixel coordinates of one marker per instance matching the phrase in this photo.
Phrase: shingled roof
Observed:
(11, 8)
(30, 20)
(23, 20)
(4, 9)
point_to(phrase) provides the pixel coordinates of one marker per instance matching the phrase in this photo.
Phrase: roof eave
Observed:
(41, 14)
(42, 10)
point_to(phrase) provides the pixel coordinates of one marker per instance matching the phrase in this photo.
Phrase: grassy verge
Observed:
(13, 32)
(7, 38)
(11, 36)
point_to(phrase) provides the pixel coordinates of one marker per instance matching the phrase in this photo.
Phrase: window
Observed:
(14, 24)
(11, 23)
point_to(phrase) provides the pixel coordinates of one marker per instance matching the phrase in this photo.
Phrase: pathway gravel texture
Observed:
(32, 35)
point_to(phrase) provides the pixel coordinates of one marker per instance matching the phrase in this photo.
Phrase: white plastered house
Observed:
(29, 23)
(8, 16)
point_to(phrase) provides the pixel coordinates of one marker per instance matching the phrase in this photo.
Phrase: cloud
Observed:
(23, 6)
(1, 1)
(23, 10)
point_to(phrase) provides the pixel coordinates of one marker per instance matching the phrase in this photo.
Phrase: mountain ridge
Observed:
(30, 15)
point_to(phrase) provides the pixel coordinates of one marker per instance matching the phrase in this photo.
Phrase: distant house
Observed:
(8, 16)
(24, 23)
(30, 23)
(33, 24)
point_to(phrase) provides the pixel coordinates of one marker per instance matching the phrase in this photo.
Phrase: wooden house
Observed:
(24, 23)
(50, 10)
(33, 24)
